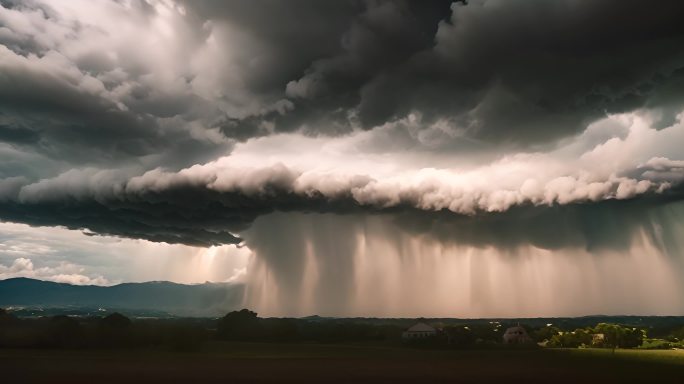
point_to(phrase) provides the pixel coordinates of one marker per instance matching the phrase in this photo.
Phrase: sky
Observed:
(485, 158)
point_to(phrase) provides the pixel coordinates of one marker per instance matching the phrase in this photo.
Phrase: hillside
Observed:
(206, 299)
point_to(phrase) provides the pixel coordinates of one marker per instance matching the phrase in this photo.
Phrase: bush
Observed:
(239, 325)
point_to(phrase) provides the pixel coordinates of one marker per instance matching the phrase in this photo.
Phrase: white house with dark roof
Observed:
(419, 331)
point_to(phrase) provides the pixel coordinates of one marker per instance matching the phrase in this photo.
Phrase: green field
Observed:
(328, 363)
(666, 356)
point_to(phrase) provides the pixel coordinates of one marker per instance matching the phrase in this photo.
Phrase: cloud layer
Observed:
(354, 156)
(496, 128)
(209, 204)
(165, 83)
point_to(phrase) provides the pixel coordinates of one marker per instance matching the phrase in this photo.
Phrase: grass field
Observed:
(666, 356)
(327, 363)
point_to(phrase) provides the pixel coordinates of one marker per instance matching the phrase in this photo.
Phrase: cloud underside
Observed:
(212, 203)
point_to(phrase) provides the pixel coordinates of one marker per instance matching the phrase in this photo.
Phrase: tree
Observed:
(116, 321)
(460, 336)
(544, 333)
(676, 335)
(114, 330)
(574, 339)
(239, 325)
(617, 336)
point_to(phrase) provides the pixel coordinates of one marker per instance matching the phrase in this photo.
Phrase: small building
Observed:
(419, 331)
(516, 335)
(598, 339)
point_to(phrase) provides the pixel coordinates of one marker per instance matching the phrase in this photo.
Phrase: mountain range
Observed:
(208, 299)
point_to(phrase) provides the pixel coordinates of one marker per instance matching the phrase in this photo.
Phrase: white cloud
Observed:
(132, 52)
(62, 273)
(617, 168)
(239, 276)
(59, 254)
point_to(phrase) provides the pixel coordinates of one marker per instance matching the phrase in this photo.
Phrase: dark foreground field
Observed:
(268, 363)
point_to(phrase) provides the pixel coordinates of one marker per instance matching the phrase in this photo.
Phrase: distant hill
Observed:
(208, 299)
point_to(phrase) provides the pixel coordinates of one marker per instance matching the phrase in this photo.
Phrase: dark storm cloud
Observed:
(608, 225)
(134, 86)
(288, 35)
(504, 71)
(160, 222)
(182, 215)
(320, 53)
(179, 214)
(71, 93)
(20, 135)
(501, 71)
(64, 117)
(537, 70)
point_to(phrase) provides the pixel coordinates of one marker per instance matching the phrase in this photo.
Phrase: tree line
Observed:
(118, 331)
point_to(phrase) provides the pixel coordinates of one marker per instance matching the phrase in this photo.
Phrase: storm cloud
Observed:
(208, 204)
(139, 82)
(123, 118)
(504, 126)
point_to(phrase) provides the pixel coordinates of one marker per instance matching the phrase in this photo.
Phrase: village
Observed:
(24, 329)
(603, 335)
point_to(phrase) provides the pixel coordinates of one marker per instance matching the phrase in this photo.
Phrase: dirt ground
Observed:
(268, 363)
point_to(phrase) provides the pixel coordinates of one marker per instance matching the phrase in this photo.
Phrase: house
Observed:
(598, 339)
(516, 335)
(419, 331)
